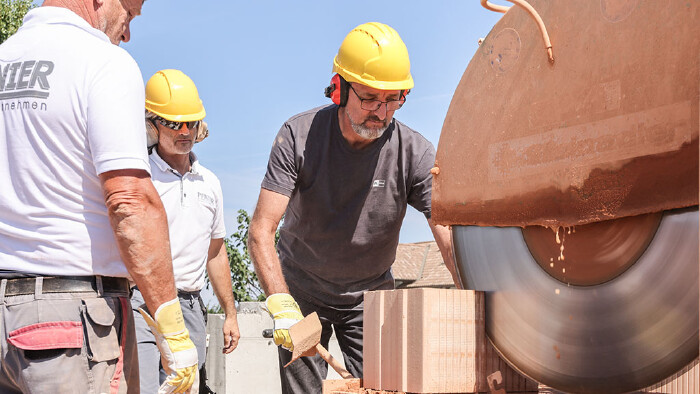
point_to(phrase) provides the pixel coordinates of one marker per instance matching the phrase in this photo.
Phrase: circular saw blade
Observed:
(619, 336)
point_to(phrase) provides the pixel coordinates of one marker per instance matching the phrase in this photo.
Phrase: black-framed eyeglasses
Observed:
(373, 105)
(177, 125)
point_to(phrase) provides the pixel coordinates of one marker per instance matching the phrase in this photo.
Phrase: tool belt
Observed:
(66, 284)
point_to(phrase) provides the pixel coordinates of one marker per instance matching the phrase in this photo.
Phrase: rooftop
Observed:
(420, 264)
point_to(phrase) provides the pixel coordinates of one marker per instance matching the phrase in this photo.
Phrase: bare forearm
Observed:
(443, 238)
(261, 246)
(261, 241)
(220, 277)
(140, 227)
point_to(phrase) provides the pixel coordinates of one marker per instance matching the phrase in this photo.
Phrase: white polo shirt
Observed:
(71, 107)
(195, 209)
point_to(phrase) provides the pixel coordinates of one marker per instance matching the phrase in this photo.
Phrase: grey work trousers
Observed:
(151, 371)
(305, 375)
(67, 342)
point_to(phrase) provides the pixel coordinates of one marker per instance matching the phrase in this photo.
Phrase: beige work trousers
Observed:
(67, 343)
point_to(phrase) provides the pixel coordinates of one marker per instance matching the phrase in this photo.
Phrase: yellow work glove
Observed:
(285, 312)
(178, 354)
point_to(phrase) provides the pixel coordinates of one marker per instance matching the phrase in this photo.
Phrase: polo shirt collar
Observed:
(163, 166)
(195, 163)
(60, 16)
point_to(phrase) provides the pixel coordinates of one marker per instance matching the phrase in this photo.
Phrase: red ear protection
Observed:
(337, 91)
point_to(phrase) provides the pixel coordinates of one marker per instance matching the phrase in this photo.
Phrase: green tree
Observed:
(11, 15)
(244, 280)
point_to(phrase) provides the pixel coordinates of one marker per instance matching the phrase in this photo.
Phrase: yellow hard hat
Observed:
(373, 54)
(172, 95)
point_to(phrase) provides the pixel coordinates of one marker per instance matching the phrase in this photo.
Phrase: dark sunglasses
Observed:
(177, 125)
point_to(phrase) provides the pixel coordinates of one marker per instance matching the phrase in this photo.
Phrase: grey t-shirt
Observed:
(342, 224)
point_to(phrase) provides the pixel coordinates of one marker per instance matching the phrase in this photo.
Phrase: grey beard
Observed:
(366, 132)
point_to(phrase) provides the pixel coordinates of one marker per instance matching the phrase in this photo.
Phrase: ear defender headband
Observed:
(338, 90)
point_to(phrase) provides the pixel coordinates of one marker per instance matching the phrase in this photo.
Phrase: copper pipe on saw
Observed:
(525, 5)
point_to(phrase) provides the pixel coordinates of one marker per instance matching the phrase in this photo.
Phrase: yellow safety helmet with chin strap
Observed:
(374, 55)
(172, 95)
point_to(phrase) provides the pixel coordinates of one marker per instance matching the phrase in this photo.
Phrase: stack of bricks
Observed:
(428, 341)
(423, 340)
(433, 341)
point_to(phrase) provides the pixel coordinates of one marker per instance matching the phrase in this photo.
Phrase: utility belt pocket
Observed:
(101, 336)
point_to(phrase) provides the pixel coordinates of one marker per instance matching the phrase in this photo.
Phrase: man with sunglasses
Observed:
(79, 215)
(342, 176)
(193, 202)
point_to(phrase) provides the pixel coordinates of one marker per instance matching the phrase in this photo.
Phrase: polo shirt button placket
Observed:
(183, 189)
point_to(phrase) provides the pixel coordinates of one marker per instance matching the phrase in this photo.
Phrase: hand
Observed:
(231, 334)
(177, 352)
(285, 312)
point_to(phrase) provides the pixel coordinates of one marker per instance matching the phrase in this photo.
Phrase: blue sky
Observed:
(257, 63)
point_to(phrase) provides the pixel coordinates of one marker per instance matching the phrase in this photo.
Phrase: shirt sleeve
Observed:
(116, 127)
(218, 228)
(281, 175)
(422, 182)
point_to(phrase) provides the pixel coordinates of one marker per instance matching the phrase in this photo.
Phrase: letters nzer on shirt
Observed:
(71, 108)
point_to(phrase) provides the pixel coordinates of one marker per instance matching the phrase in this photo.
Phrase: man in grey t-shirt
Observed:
(342, 176)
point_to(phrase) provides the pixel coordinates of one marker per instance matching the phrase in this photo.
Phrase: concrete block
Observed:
(215, 363)
(254, 366)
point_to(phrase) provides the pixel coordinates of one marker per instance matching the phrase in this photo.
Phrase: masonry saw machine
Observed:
(568, 169)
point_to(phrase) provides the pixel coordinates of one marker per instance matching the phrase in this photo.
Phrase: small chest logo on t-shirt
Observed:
(378, 183)
(205, 198)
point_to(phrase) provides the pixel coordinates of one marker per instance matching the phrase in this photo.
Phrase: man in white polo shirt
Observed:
(193, 202)
(78, 212)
